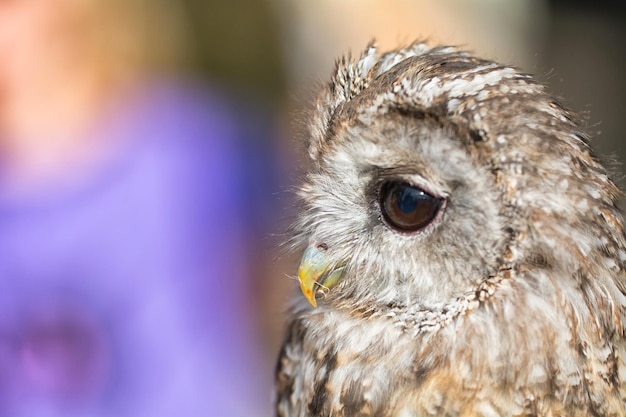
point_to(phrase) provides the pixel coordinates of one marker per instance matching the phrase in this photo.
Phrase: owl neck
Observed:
(416, 320)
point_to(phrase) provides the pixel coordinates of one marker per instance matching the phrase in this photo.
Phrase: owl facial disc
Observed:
(317, 271)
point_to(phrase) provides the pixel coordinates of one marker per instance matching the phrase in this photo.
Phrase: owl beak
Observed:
(316, 272)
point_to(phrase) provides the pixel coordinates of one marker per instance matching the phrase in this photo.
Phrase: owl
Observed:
(463, 252)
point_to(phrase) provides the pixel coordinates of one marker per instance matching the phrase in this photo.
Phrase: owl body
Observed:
(465, 255)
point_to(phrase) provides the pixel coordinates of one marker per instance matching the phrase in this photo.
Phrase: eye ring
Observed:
(407, 208)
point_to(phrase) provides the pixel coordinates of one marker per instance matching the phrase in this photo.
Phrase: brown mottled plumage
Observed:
(465, 251)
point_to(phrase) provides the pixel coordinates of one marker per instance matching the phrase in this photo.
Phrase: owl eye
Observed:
(407, 208)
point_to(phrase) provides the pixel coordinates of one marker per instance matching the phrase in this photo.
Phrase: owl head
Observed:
(434, 175)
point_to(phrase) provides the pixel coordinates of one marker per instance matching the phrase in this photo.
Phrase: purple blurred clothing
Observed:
(125, 291)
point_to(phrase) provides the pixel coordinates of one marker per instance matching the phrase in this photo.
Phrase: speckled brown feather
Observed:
(512, 304)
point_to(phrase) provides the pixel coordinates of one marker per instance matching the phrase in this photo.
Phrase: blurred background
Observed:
(147, 152)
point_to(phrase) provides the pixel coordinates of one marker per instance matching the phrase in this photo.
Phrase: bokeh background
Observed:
(147, 153)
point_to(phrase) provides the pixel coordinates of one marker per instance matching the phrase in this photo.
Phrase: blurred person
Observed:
(125, 201)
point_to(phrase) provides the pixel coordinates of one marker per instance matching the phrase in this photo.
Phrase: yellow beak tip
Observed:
(316, 271)
(311, 298)
(307, 291)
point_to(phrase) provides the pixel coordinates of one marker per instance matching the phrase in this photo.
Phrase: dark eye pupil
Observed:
(407, 208)
(408, 199)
